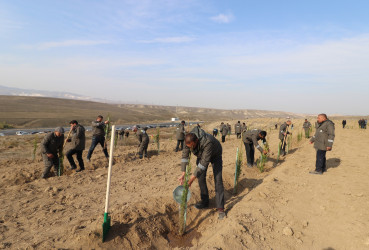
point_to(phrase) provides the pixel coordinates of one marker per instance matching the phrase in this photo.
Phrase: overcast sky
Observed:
(299, 56)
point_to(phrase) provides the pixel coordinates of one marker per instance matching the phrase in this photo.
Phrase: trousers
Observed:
(217, 165)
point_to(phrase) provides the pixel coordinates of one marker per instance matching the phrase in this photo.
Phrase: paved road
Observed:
(88, 128)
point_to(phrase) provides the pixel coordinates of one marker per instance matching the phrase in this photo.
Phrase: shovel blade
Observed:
(105, 226)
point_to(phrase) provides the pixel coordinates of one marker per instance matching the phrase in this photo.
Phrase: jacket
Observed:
(207, 150)
(324, 135)
(98, 128)
(180, 133)
(51, 144)
(142, 137)
(306, 125)
(224, 129)
(237, 128)
(283, 128)
(252, 136)
(78, 138)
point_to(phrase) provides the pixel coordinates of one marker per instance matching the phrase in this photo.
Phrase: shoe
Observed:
(221, 215)
(255, 164)
(175, 150)
(249, 165)
(79, 170)
(201, 205)
(315, 172)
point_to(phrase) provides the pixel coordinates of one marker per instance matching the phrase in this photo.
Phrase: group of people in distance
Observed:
(204, 146)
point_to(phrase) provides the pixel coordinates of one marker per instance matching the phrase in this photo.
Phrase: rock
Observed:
(287, 231)
(262, 194)
(305, 223)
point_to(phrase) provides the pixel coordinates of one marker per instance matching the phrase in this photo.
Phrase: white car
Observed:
(21, 133)
(2, 134)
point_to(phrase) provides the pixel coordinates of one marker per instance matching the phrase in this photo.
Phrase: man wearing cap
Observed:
(223, 131)
(78, 145)
(323, 142)
(144, 140)
(98, 136)
(180, 134)
(250, 140)
(208, 150)
(51, 145)
(244, 127)
(237, 129)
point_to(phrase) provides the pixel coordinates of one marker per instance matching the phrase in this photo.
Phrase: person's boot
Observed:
(81, 169)
(140, 156)
(221, 214)
(249, 165)
(73, 167)
(202, 205)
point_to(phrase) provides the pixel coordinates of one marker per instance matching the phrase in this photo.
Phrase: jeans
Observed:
(97, 140)
(320, 165)
(70, 154)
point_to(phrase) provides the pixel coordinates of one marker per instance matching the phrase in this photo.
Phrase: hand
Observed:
(106, 122)
(191, 180)
(265, 152)
(181, 178)
(310, 142)
(50, 156)
(329, 148)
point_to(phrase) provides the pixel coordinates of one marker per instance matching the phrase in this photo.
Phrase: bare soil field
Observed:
(284, 207)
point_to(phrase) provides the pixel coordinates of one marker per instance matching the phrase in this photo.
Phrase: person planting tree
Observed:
(250, 140)
(51, 145)
(208, 150)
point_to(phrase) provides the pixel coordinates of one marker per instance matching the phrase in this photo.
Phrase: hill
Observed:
(30, 112)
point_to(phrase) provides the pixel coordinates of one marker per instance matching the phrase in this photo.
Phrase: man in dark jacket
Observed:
(306, 126)
(250, 140)
(238, 129)
(180, 134)
(78, 145)
(215, 132)
(283, 132)
(144, 140)
(343, 123)
(98, 136)
(208, 150)
(323, 142)
(223, 131)
(51, 145)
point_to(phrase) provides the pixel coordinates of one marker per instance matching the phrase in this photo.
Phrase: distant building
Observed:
(175, 119)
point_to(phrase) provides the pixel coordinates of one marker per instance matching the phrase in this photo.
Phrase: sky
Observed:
(307, 56)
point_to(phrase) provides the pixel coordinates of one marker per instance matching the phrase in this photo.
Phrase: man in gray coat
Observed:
(306, 126)
(250, 140)
(78, 145)
(180, 135)
(223, 130)
(144, 140)
(323, 142)
(238, 129)
(208, 150)
(51, 145)
(98, 136)
(283, 132)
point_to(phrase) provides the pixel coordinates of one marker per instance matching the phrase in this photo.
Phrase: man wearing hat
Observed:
(51, 145)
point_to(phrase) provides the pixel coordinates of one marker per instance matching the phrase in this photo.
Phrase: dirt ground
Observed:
(284, 207)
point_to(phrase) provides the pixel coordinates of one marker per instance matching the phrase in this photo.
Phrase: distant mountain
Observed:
(42, 93)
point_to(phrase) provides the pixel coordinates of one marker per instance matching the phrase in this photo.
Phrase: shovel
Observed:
(106, 223)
